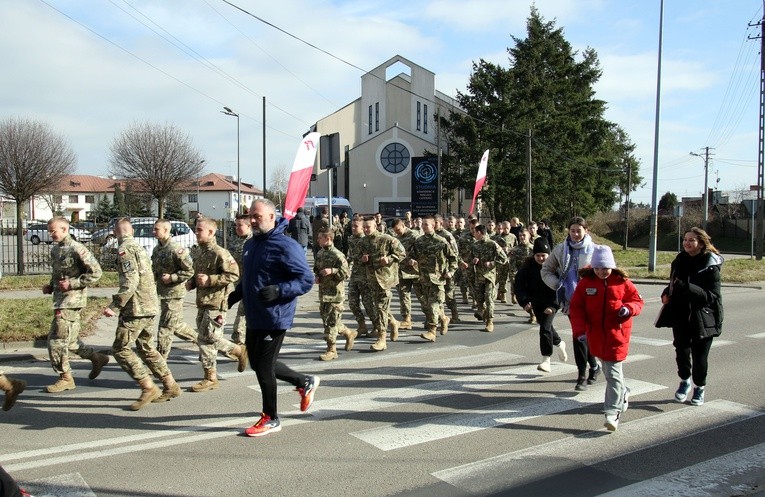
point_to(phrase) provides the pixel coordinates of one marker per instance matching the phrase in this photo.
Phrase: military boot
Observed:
(65, 382)
(406, 324)
(479, 313)
(350, 337)
(209, 382)
(12, 389)
(171, 389)
(464, 297)
(331, 352)
(501, 298)
(430, 335)
(362, 330)
(444, 321)
(149, 393)
(99, 360)
(455, 316)
(394, 326)
(489, 326)
(240, 353)
(380, 344)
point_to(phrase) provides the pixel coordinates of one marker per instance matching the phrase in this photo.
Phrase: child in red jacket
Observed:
(601, 313)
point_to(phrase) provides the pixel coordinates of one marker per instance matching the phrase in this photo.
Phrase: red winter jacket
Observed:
(594, 312)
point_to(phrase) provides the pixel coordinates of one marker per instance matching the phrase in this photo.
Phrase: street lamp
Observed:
(229, 112)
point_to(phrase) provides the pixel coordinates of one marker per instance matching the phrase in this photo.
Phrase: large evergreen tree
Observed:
(579, 159)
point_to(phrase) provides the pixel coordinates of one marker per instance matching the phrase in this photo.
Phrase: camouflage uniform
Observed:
(451, 304)
(465, 244)
(170, 258)
(71, 261)
(380, 279)
(517, 256)
(507, 242)
(459, 274)
(358, 289)
(408, 276)
(216, 262)
(319, 222)
(137, 304)
(436, 260)
(485, 251)
(331, 290)
(240, 326)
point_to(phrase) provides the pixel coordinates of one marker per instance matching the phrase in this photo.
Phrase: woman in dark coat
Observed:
(694, 310)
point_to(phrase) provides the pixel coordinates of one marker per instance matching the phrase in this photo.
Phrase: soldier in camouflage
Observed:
(507, 241)
(320, 221)
(408, 276)
(517, 255)
(243, 233)
(137, 304)
(465, 245)
(172, 267)
(380, 255)
(450, 302)
(459, 274)
(331, 270)
(358, 290)
(214, 271)
(437, 262)
(74, 269)
(486, 255)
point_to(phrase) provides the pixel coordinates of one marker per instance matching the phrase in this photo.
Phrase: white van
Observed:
(313, 206)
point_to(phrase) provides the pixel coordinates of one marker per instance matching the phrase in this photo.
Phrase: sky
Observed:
(92, 69)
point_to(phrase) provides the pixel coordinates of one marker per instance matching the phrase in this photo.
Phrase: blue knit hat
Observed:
(602, 257)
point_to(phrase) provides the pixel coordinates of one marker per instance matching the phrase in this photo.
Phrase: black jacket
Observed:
(529, 287)
(300, 229)
(695, 304)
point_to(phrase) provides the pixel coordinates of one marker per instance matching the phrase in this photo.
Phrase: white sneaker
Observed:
(544, 365)
(626, 402)
(562, 355)
(612, 422)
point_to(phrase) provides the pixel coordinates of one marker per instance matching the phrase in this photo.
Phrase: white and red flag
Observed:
(300, 177)
(481, 178)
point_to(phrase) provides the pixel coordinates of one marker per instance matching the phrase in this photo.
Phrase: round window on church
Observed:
(395, 158)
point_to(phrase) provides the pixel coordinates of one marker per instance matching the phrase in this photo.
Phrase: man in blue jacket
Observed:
(275, 273)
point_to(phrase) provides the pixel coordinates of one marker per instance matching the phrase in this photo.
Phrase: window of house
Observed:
(57, 199)
(425, 121)
(73, 199)
(370, 119)
(419, 115)
(192, 198)
(90, 199)
(377, 116)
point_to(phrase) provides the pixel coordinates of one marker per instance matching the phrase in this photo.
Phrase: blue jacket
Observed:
(273, 259)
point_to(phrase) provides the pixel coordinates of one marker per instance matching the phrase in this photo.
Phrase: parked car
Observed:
(38, 232)
(85, 225)
(143, 232)
(100, 237)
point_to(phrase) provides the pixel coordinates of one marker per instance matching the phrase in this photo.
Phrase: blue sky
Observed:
(92, 69)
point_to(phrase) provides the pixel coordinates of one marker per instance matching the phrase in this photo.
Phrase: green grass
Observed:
(34, 282)
(29, 319)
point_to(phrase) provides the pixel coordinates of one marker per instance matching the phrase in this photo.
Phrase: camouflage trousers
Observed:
(240, 326)
(138, 330)
(484, 296)
(432, 302)
(405, 287)
(332, 317)
(503, 272)
(451, 304)
(171, 323)
(469, 273)
(210, 337)
(381, 300)
(64, 338)
(358, 293)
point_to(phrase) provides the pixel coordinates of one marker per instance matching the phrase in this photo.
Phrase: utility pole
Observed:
(760, 142)
(627, 206)
(528, 179)
(655, 184)
(705, 197)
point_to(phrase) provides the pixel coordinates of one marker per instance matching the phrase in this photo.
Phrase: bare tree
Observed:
(158, 157)
(279, 180)
(33, 159)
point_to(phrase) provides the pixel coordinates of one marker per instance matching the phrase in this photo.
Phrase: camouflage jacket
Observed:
(519, 254)
(435, 258)
(216, 262)
(407, 271)
(487, 251)
(137, 294)
(444, 233)
(506, 241)
(73, 261)
(376, 246)
(170, 258)
(358, 271)
(236, 247)
(465, 245)
(331, 287)
(319, 222)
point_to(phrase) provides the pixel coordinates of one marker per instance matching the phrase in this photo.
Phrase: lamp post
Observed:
(229, 112)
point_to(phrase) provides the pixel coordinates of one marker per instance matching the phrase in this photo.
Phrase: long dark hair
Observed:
(704, 239)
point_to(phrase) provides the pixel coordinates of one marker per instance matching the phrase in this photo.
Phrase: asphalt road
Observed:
(468, 415)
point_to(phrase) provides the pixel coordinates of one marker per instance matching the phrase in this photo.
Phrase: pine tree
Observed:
(174, 207)
(120, 208)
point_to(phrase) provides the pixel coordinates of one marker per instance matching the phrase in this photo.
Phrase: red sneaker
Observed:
(264, 426)
(307, 392)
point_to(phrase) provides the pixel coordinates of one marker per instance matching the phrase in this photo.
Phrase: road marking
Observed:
(719, 476)
(720, 343)
(756, 335)
(657, 342)
(520, 467)
(434, 428)
(70, 485)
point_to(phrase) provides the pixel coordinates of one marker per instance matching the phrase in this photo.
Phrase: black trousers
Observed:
(548, 337)
(691, 355)
(263, 351)
(583, 357)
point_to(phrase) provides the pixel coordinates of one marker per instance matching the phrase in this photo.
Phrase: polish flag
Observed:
(481, 178)
(300, 177)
